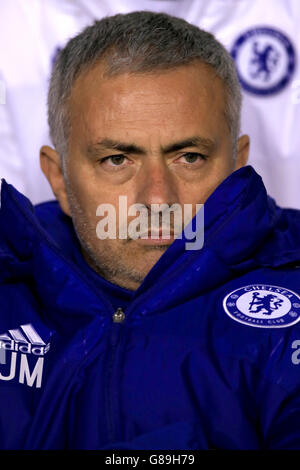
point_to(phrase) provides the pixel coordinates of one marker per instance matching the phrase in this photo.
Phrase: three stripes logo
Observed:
(26, 341)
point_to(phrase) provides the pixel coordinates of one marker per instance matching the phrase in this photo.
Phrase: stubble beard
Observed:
(107, 262)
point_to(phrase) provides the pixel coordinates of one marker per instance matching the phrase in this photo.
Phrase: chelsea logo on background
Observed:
(263, 306)
(265, 60)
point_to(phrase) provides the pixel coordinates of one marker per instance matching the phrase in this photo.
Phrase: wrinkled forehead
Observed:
(193, 92)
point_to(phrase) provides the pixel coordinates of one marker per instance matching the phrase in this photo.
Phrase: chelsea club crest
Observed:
(263, 306)
(264, 59)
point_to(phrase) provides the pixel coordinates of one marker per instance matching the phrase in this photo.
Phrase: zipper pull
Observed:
(118, 316)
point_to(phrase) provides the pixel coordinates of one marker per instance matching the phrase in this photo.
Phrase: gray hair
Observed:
(137, 42)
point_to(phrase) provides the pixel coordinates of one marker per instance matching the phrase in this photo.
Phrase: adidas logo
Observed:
(25, 366)
(24, 339)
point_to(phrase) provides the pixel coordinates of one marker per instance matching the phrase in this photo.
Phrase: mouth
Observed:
(159, 237)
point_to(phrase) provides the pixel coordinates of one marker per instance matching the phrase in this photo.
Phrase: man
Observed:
(138, 342)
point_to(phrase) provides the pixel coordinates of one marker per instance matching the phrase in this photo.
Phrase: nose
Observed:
(156, 184)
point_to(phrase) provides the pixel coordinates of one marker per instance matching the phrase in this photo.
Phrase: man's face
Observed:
(124, 131)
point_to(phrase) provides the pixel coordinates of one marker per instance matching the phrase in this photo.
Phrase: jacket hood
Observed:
(244, 229)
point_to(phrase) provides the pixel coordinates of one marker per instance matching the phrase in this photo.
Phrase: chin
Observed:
(149, 258)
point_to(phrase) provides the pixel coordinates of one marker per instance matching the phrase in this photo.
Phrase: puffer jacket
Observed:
(207, 355)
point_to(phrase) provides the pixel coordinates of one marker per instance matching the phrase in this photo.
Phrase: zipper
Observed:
(112, 386)
(118, 316)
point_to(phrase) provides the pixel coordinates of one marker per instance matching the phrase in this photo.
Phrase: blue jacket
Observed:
(208, 355)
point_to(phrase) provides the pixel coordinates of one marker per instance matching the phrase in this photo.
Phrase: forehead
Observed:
(181, 96)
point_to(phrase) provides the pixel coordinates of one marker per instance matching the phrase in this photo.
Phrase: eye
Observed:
(113, 160)
(192, 157)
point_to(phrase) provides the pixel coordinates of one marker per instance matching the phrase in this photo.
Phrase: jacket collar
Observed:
(244, 229)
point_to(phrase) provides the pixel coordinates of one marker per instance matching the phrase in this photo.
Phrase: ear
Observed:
(51, 167)
(243, 145)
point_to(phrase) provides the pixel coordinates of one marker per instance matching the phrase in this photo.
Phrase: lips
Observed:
(162, 233)
(160, 237)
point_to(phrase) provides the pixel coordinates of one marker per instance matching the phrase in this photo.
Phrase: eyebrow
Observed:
(110, 144)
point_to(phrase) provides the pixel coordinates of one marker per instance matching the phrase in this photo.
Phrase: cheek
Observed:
(89, 195)
(81, 196)
(199, 189)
